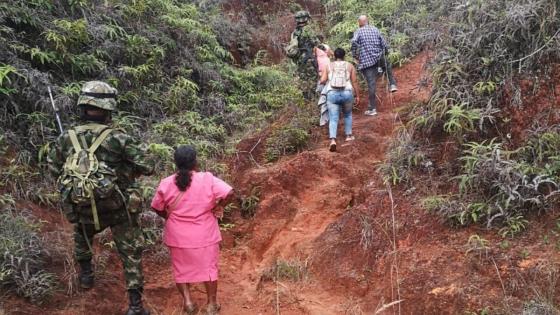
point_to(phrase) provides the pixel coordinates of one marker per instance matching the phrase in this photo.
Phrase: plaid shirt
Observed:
(367, 46)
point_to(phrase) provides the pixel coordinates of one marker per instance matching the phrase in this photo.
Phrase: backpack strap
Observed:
(74, 140)
(94, 146)
(99, 140)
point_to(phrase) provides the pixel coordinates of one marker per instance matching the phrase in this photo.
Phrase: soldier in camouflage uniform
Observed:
(126, 156)
(306, 62)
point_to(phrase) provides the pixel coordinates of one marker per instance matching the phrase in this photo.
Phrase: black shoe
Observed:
(86, 274)
(135, 305)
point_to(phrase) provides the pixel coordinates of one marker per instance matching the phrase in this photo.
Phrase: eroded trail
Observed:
(301, 196)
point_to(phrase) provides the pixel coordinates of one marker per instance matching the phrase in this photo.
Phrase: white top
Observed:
(348, 86)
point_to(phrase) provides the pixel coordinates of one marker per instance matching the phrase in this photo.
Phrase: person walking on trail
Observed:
(369, 49)
(342, 83)
(301, 50)
(96, 167)
(323, 54)
(191, 202)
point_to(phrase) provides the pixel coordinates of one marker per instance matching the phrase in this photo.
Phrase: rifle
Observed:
(55, 111)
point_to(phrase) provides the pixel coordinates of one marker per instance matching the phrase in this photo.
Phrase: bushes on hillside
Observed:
(487, 48)
(164, 56)
(408, 25)
(22, 254)
(291, 136)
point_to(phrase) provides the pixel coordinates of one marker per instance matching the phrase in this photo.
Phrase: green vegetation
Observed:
(168, 58)
(292, 136)
(292, 269)
(485, 52)
(408, 26)
(403, 156)
(250, 202)
(177, 82)
(22, 254)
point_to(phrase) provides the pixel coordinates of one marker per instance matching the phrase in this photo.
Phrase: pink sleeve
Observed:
(220, 189)
(158, 202)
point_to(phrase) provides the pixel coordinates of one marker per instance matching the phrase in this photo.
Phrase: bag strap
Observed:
(172, 206)
(99, 140)
(74, 140)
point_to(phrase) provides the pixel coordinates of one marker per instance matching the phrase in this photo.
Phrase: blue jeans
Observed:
(335, 101)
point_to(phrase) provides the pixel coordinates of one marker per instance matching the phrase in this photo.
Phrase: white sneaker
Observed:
(393, 88)
(372, 112)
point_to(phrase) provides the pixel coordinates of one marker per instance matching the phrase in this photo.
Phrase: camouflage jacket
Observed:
(307, 40)
(120, 151)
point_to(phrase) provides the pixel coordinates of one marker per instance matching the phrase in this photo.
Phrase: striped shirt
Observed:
(367, 46)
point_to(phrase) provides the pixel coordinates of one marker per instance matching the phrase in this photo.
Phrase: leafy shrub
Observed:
(290, 137)
(483, 52)
(480, 49)
(23, 258)
(249, 203)
(497, 185)
(171, 63)
(403, 156)
(407, 25)
(292, 269)
(3, 146)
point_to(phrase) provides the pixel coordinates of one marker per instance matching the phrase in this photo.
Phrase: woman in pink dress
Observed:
(191, 202)
(323, 53)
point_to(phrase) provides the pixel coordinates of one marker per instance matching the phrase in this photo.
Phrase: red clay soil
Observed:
(358, 248)
(540, 104)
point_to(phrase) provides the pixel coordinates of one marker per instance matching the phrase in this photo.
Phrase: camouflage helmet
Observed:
(98, 94)
(302, 16)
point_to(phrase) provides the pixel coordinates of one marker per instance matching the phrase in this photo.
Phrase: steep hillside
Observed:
(446, 202)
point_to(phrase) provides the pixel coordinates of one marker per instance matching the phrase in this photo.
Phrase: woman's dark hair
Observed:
(339, 53)
(185, 161)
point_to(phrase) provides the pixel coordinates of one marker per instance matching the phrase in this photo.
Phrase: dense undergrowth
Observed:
(487, 53)
(22, 260)
(408, 26)
(178, 84)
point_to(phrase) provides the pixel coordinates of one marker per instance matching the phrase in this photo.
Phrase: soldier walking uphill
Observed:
(97, 167)
(300, 50)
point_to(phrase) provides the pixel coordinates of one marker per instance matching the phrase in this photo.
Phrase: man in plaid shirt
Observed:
(369, 48)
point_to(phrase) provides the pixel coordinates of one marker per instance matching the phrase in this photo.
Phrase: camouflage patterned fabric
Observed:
(127, 157)
(128, 239)
(307, 65)
(98, 94)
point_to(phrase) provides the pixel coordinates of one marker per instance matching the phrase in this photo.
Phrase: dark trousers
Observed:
(370, 74)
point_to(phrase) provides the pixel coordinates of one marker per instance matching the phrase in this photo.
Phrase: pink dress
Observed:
(322, 59)
(191, 230)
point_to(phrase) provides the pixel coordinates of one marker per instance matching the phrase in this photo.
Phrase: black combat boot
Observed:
(86, 274)
(135, 305)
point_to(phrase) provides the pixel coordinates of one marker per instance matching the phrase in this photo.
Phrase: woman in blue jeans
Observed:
(341, 87)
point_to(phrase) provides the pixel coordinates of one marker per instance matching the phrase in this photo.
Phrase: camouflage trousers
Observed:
(308, 80)
(128, 238)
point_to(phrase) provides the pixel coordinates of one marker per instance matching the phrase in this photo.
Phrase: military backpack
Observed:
(84, 178)
(292, 50)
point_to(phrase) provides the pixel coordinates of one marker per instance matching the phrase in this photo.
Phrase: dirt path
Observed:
(301, 196)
